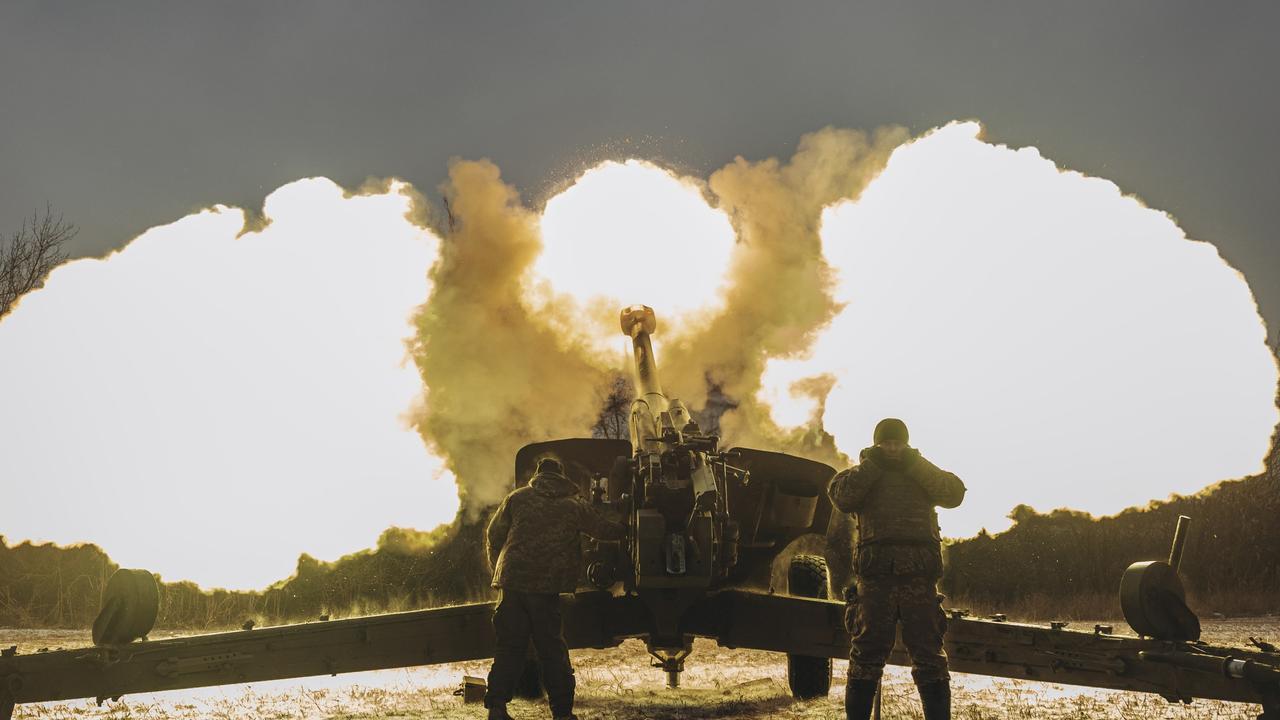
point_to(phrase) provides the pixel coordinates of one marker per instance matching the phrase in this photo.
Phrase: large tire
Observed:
(808, 677)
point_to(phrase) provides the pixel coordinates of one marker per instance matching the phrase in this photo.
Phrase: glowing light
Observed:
(1051, 340)
(781, 390)
(209, 406)
(632, 233)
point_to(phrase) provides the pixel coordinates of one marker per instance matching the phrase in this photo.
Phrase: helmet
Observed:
(550, 466)
(890, 429)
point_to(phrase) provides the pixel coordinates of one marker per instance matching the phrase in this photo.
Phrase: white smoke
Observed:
(208, 405)
(632, 233)
(1048, 338)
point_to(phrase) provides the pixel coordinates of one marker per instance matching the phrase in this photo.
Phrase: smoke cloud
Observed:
(210, 403)
(779, 292)
(631, 233)
(497, 375)
(1048, 338)
(215, 400)
(733, 267)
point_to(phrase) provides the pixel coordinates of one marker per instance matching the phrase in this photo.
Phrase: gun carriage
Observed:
(705, 528)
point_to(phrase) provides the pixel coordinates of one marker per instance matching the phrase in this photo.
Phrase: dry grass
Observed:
(618, 684)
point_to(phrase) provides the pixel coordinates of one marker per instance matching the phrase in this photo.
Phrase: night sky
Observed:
(128, 115)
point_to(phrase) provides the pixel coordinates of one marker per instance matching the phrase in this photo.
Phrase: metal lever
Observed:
(1179, 539)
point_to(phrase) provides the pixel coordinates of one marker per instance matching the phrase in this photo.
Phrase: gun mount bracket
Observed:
(130, 604)
(1154, 604)
(671, 660)
(1151, 596)
(1263, 645)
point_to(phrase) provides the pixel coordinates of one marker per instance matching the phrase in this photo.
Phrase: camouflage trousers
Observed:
(872, 616)
(519, 618)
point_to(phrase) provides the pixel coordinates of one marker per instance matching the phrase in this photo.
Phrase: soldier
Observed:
(892, 493)
(533, 547)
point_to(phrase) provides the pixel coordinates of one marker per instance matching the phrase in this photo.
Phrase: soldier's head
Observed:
(891, 437)
(550, 466)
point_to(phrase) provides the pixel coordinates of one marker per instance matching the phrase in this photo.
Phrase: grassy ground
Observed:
(618, 684)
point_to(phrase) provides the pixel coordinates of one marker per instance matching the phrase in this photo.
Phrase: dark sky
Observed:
(128, 115)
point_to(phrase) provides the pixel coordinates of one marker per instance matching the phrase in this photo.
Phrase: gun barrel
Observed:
(646, 368)
(638, 323)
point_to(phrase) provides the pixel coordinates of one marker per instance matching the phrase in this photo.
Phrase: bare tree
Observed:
(615, 413)
(28, 256)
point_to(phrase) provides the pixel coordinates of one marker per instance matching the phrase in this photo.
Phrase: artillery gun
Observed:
(698, 518)
(705, 528)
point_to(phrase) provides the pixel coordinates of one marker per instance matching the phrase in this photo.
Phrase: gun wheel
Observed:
(809, 677)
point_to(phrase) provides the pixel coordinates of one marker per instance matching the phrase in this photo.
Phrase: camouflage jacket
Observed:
(532, 541)
(893, 506)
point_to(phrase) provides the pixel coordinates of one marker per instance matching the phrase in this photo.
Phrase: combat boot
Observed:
(499, 713)
(859, 696)
(935, 698)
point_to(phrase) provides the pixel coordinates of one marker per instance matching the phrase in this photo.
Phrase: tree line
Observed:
(50, 586)
(1231, 564)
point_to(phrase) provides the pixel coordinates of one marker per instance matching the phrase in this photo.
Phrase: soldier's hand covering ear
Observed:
(944, 488)
(909, 457)
(871, 462)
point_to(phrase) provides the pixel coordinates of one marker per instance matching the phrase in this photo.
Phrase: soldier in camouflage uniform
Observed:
(892, 493)
(532, 543)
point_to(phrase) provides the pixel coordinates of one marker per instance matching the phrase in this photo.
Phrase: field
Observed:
(618, 684)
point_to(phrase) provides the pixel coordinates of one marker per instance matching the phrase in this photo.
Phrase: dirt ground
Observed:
(618, 684)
